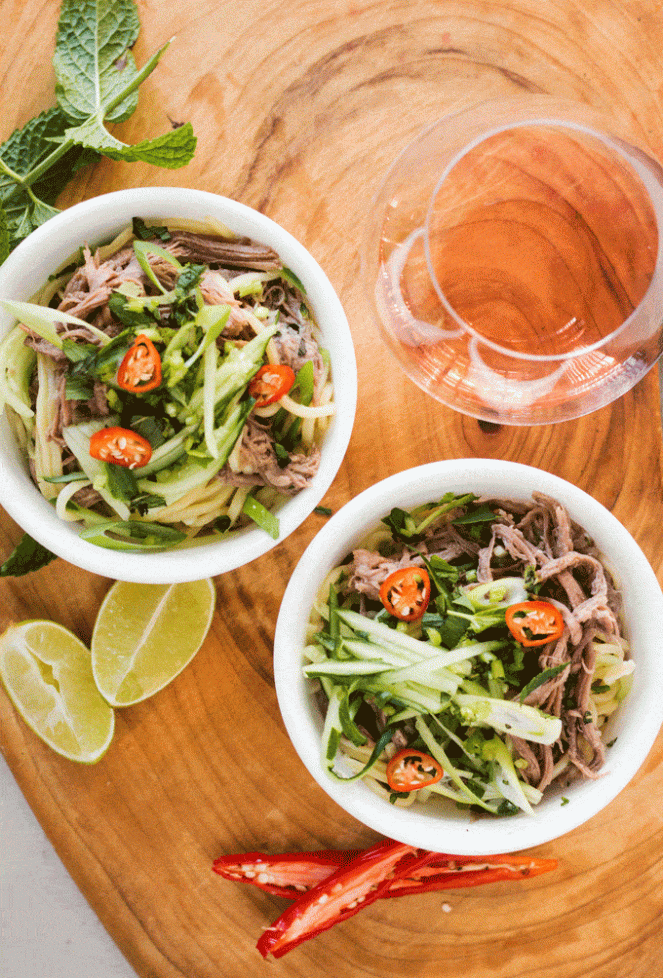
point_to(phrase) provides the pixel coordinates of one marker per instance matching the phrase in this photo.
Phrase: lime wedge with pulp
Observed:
(47, 672)
(145, 634)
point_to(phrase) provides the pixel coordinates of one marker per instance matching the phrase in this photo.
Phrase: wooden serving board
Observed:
(299, 109)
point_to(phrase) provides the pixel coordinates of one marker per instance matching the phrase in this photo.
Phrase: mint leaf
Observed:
(94, 66)
(170, 151)
(97, 82)
(28, 201)
(27, 555)
(540, 679)
(4, 236)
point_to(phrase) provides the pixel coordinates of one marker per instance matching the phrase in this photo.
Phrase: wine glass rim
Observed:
(613, 142)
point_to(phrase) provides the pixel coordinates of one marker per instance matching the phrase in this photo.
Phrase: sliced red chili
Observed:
(287, 874)
(140, 369)
(272, 381)
(411, 769)
(406, 593)
(120, 446)
(447, 872)
(343, 894)
(534, 622)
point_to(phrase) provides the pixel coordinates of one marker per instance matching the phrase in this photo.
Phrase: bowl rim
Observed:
(643, 611)
(96, 219)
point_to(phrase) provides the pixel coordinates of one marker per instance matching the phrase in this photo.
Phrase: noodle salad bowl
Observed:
(467, 657)
(178, 384)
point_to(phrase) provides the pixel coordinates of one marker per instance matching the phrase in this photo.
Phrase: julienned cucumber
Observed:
(168, 453)
(194, 472)
(132, 535)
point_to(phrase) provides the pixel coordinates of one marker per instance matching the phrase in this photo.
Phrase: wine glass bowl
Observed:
(513, 261)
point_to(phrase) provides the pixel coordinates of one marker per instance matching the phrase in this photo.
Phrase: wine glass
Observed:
(514, 263)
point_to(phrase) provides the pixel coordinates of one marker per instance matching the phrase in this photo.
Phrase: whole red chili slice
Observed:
(272, 381)
(406, 593)
(140, 369)
(411, 769)
(534, 622)
(120, 446)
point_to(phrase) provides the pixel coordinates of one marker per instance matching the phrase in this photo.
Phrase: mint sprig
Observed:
(96, 84)
(97, 81)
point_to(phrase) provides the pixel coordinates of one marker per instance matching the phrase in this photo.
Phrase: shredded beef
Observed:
(209, 250)
(295, 347)
(369, 569)
(259, 464)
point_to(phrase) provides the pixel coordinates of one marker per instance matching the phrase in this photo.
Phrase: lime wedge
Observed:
(47, 673)
(145, 634)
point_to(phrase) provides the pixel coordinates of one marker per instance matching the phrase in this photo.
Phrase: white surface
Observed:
(47, 928)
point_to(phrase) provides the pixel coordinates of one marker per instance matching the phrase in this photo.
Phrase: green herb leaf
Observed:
(27, 556)
(540, 679)
(149, 428)
(93, 61)
(78, 388)
(28, 186)
(98, 363)
(444, 577)
(400, 523)
(146, 500)
(121, 482)
(4, 235)
(75, 352)
(482, 514)
(97, 82)
(282, 455)
(190, 277)
(121, 309)
(171, 150)
(144, 233)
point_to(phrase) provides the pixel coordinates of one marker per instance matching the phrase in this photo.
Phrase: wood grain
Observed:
(299, 109)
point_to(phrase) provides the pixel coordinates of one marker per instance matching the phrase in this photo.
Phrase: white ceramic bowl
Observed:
(94, 221)
(635, 725)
